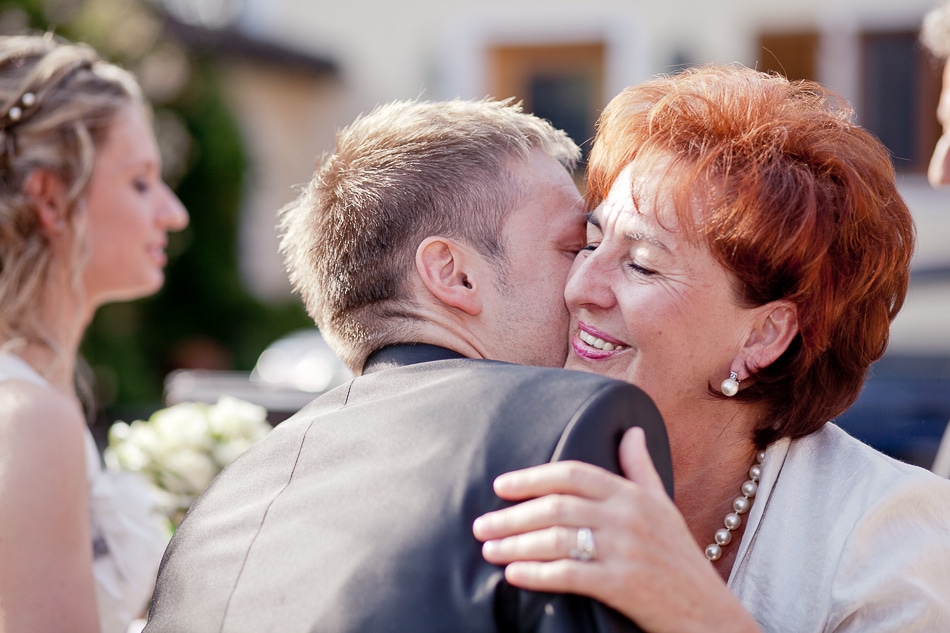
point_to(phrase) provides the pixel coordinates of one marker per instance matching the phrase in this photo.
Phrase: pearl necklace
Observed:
(740, 506)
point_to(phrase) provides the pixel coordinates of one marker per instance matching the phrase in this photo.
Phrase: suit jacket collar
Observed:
(406, 354)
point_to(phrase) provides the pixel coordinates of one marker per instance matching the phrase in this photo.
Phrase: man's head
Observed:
(439, 212)
(935, 36)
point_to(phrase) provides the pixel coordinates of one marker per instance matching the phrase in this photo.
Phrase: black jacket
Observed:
(356, 514)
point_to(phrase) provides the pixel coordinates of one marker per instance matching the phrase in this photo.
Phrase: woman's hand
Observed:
(646, 565)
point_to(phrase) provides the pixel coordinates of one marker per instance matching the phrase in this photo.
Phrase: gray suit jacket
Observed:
(356, 514)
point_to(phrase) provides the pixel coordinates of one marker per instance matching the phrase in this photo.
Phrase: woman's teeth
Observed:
(599, 343)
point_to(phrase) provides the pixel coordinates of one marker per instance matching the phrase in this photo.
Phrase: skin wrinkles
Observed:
(648, 260)
(643, 283)
(634, 236)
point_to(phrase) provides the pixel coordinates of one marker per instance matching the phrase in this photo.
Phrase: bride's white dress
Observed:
(128, 537)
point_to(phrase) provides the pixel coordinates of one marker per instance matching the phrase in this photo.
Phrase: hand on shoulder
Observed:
(646, 563)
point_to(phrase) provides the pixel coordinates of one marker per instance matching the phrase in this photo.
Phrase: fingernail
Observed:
(501, 481)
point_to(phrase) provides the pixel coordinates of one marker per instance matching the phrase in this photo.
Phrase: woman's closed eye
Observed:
(640, 270)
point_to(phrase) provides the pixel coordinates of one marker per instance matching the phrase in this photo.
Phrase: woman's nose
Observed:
(174, 214)
(588, 283)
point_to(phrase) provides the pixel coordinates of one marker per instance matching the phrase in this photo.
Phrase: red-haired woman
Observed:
(747, 252)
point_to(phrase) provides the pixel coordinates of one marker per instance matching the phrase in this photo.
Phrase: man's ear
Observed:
(446, 268)
(48, 194)
(773, 331)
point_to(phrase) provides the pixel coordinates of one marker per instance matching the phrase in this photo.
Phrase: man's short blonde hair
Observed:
(405, 171)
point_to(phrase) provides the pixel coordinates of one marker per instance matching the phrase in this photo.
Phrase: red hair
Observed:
(797, 202)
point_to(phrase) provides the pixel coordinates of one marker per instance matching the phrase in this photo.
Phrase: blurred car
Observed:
(289, 373)
(904, 407)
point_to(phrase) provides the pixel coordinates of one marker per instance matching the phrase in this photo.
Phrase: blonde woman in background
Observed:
(84, 216)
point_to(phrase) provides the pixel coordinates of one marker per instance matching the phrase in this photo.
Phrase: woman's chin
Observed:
(131, 292)
(577, 363)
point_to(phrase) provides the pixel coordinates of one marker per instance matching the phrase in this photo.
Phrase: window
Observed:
(561, 83)
(791, 54)
(900, 87)
(897, 86)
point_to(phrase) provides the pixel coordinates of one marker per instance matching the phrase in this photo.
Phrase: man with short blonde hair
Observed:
(432, 244)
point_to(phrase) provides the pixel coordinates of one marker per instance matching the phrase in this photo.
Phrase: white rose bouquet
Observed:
(181, 448)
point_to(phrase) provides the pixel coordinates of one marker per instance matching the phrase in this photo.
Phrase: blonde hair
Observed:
(403, 172)
(57, 102)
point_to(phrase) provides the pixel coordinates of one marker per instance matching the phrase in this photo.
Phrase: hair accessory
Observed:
(15, 113)
(740, 506)
(730, 386)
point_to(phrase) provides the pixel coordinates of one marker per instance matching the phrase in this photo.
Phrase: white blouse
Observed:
(843, 538)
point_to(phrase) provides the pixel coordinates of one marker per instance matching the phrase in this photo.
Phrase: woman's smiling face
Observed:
(648, 305)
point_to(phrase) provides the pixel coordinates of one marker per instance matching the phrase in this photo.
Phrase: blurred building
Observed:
(565, 59)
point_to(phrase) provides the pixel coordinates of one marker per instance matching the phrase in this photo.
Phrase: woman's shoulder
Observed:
(39, 426)
(832, 452)
(29, 408)
(839, 491)
(848, 478)
(861, 500)
(845, 533)
(887, 526)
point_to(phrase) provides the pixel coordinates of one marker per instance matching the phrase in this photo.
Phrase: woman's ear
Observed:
(774, 328)
(446, 269)
(48, 194)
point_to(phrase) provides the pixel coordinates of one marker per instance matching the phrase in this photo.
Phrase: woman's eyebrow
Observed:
(637, 236)
(630, 236)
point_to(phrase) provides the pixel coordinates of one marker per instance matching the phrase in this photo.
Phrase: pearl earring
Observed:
(730, 386)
